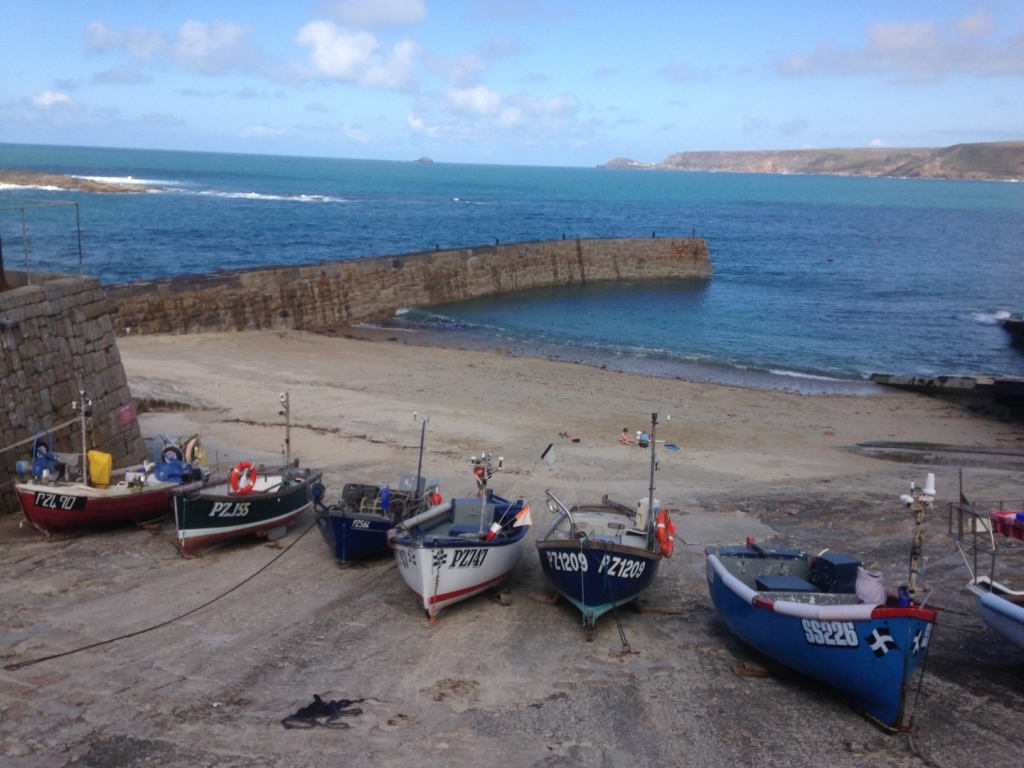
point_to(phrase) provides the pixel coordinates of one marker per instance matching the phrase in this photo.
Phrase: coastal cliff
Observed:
(366, 289)
(997, 161)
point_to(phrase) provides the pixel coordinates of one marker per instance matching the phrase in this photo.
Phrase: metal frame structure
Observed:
(971, 529)
(24, 203)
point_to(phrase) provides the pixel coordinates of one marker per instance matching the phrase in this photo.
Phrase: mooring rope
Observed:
(30, 662)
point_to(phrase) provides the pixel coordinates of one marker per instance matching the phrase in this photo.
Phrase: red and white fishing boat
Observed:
(461, 547)
(59, 497)
(66, 507)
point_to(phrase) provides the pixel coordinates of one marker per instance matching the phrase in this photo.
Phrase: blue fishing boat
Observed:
(804, 612)
(601, 556)
(358, 525)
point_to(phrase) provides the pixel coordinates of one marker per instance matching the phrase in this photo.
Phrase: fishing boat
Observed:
(358, 525)
(992, 529)
(804, 612)
(254, 499)
(601, 556)
(461, 547)
(64, 493)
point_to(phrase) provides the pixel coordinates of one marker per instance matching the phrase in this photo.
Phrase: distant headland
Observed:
(1003, 161)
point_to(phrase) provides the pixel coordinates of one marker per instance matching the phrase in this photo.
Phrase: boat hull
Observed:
(441, 572)
(214, 515)
(597, 577)
(871, 663)
(351, 535)
(1000, 615)
(66, 509)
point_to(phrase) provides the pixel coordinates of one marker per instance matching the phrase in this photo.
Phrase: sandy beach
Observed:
(488, 684)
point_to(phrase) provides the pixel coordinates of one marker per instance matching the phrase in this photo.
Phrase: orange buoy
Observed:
(665, 532)
(246, 469)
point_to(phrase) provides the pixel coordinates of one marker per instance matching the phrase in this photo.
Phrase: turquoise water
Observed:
(815, 276)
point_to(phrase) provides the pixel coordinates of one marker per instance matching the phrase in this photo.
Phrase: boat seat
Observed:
(773, 582)
(463, 529)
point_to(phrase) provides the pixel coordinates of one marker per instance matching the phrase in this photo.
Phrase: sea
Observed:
(819, 281)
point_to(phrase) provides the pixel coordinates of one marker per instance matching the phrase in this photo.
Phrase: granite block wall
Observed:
(55, 337)
(357, 290)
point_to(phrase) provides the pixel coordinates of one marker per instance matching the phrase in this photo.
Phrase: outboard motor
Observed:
(171, 470)
(43, 461)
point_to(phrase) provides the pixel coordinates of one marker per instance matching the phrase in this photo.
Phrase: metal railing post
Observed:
(24, 235)
(78, 226)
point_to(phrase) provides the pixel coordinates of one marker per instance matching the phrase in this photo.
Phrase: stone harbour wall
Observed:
(55, 337)
(374, 288)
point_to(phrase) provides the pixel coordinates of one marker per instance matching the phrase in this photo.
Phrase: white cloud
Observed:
(917, 52)
(52, 99)
(358, 57)
(213, 49)
(877, 143)
(481, 111)
(261, 132)
(478, 100)
(99, 37)
(979, 24)
(419, 127)
(518, 11)
(370, 14)
(121, 76)
(464, 70)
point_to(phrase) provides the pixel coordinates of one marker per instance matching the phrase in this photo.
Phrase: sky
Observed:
(516, 82)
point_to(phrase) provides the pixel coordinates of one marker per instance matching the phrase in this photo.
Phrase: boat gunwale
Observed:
(207, 492)
(599, 545)
(794, 609)
(420, 541)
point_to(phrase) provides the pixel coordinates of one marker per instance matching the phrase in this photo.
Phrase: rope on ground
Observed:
(30, 662)
(913, 712)
(28, 440)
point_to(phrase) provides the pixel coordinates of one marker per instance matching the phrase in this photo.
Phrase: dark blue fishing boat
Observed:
(601, 556)
(358, 525)
(803, 612)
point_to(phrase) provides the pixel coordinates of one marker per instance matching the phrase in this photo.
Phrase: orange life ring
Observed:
(246, 468)
(665, 532)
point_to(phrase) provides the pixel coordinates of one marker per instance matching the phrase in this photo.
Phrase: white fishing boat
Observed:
(461, 547)
(988, 533)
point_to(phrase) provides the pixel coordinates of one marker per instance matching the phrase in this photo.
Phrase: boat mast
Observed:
(485, 462)
(80, 406)
(654, 460)
(423, 436)
(286, 412)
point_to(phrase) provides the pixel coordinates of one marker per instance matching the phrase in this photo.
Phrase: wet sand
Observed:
(488, 684)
